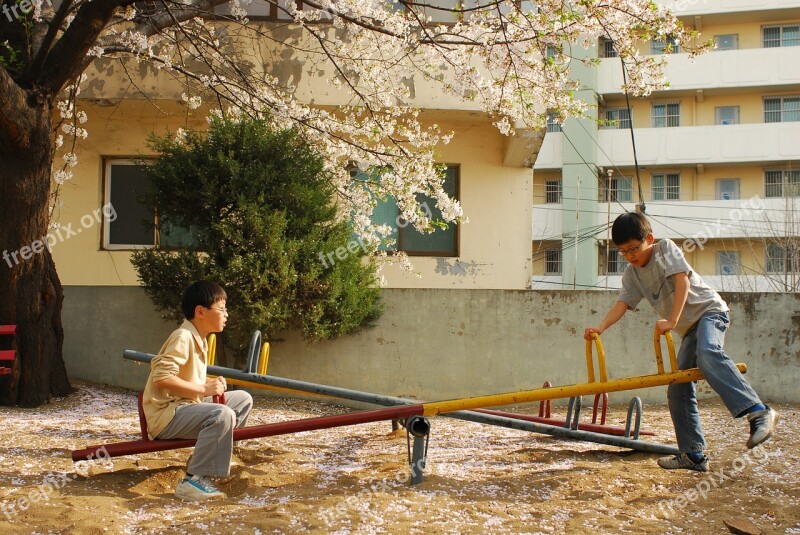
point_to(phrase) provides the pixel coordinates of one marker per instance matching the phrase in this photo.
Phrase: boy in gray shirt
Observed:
(659, 273)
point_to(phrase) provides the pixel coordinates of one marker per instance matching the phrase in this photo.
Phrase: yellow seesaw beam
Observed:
(583, 389)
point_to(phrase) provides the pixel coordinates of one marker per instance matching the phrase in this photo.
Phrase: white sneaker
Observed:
(196, 489)
(762, 423)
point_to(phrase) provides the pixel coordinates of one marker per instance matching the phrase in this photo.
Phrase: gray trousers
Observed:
(212, 424)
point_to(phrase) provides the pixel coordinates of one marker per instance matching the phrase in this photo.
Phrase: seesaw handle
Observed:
(673, 361)
(601, 359)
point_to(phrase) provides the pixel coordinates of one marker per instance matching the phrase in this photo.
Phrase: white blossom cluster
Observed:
(511, 59)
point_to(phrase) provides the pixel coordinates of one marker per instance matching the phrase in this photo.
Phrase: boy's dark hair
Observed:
(630, 226)
(203, 293)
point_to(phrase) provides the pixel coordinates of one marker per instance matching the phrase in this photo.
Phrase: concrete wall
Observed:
(442, 344)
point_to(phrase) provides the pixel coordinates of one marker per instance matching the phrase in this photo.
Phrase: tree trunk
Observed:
(30, 292)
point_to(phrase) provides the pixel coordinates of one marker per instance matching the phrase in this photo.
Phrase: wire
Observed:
(633, 138)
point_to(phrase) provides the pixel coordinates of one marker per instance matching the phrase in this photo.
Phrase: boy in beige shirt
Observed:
(177, 399)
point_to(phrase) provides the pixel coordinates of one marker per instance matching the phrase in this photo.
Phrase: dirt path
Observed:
(479, 479)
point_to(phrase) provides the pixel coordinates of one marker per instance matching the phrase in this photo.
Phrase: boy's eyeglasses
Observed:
(631, 250)
(223, 310)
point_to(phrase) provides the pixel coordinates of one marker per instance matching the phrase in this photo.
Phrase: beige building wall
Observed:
(494, 246)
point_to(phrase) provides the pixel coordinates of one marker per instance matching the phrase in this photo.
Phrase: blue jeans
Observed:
(701, 347)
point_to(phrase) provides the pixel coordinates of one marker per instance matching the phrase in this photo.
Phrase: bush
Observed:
(256, 208)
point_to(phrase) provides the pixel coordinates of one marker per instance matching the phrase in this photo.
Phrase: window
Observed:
(618, 118)
(782, 109)
(727, 189)
(440, 242)
(552, 262)
(615, 262)
(617, 189)
(262, 10)
(124, 183)
(441, 11)
(726, 115)
(664, 46)
(666, 114)
(782, 182)
(782, 258)
(666, 186)
(728, 263)
(553, 124)
(728, 41)
(780, 35)
(607, 49)
(552, 191)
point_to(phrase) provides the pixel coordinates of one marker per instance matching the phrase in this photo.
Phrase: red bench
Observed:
(7, 356)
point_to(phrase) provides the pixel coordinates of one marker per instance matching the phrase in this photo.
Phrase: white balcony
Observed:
(761, 144)
(699, 221)
(747, 68)
(748, 8)
(690, 145)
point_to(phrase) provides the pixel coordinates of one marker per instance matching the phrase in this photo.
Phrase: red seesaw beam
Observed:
(595, 428)
(258, 431)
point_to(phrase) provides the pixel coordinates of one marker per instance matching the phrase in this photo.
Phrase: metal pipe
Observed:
(563, 432)
(376, 399)
(594, 428)
(252, 352)
(258, 431)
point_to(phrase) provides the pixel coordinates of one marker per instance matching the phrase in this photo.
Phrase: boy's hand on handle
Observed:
(587, 333)
(215, 387)
(662, 326)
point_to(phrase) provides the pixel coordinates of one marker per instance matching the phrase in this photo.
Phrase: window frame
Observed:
(558, 191)
(106, 244)
(665, 176)
(617, 122)
(782, 111)
(558, 259)
(613, 257)
(718, 189)
(658, 47)
(607, 48)
(735, 39)
(666, 117)
(788, 178)
(780, 41)
(552, 122)
(718, 118)
(105, 235)
(784, 262)
(734, 261)
(455, 252)
(611, 190)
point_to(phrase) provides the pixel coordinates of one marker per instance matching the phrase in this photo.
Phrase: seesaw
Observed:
(415, 414)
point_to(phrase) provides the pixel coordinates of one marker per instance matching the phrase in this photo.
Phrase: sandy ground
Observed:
(479, 479)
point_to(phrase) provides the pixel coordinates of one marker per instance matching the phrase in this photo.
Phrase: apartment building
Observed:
(718, 157)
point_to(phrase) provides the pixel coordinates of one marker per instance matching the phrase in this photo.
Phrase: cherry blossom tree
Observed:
(511, 59)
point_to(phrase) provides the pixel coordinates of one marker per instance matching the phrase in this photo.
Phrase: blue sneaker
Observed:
(197, 488)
